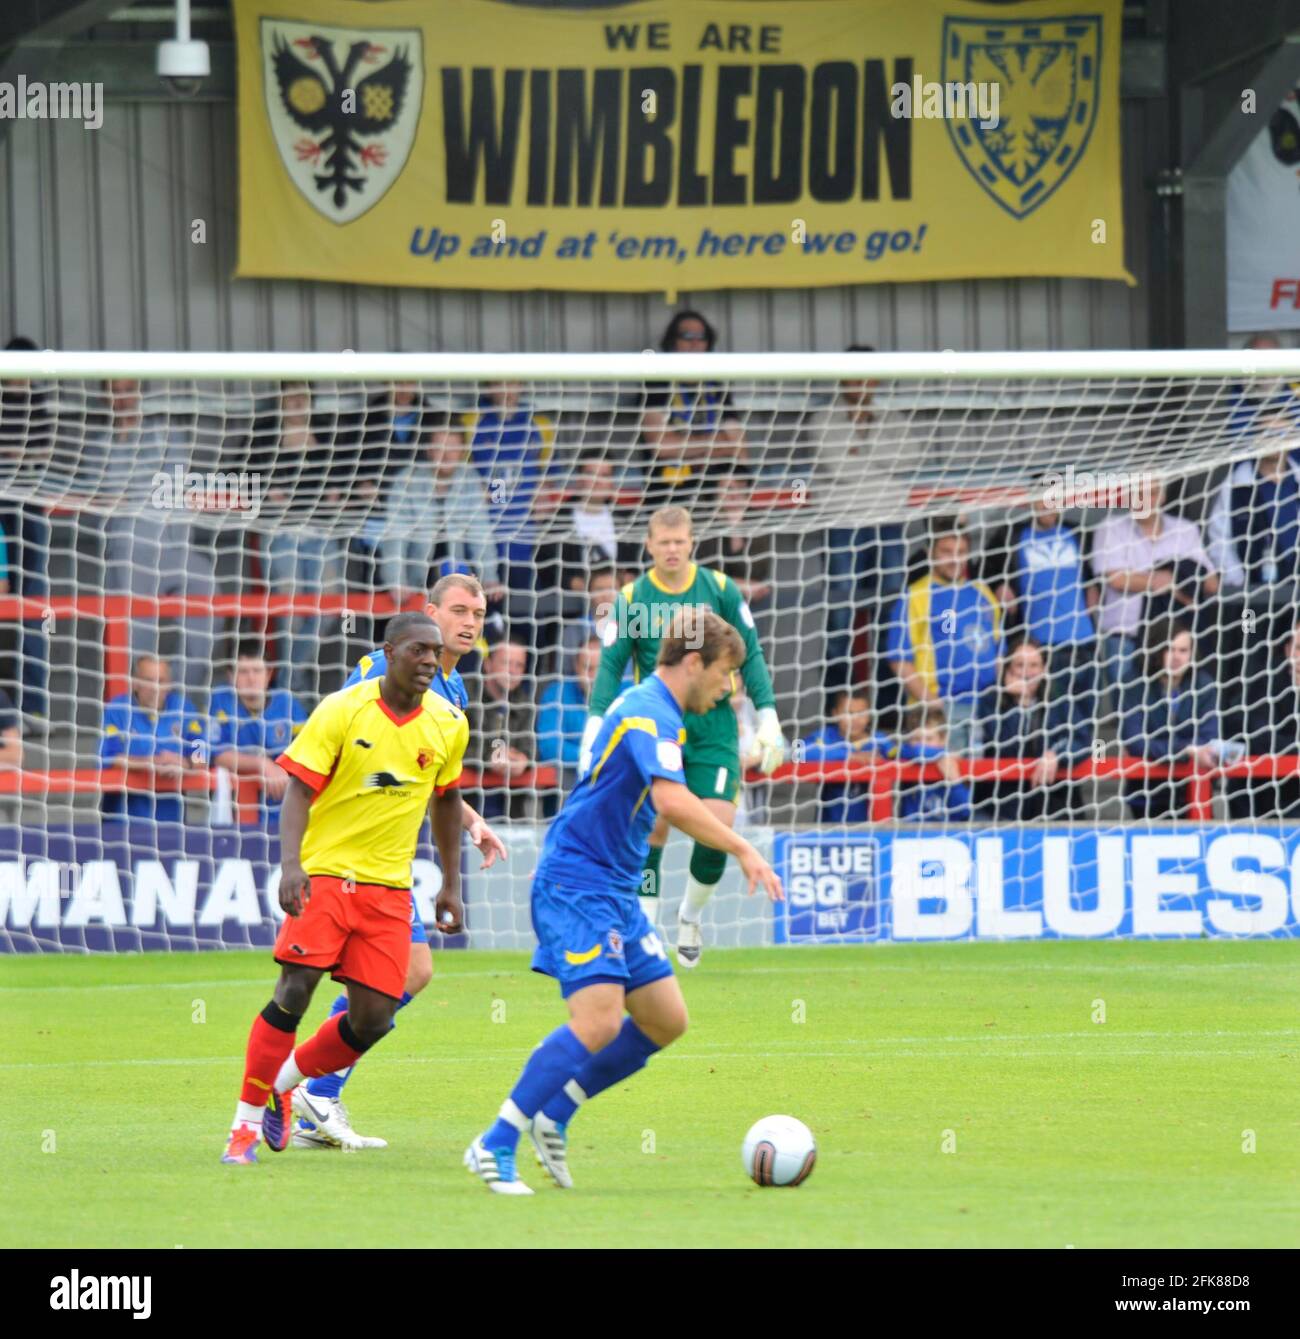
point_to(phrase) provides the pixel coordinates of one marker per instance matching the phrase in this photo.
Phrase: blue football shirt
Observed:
(1050, 579)
(450, 686)
(233, 726)
(600, 839)
(133, 733)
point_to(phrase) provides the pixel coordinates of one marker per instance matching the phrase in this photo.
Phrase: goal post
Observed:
(1031, 621)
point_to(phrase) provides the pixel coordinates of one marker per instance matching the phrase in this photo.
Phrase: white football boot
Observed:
(690, 943)
(495, 1170)
(550, 1140)
(333, 1128)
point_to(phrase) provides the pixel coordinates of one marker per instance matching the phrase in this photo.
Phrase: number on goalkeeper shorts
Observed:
(652, 945)
(721, 787)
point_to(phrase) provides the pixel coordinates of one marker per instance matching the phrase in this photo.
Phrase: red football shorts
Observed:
(360, 934)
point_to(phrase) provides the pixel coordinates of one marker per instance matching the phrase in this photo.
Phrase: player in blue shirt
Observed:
(249, 727)
(592, 935)
(458, 606)
(153, 726)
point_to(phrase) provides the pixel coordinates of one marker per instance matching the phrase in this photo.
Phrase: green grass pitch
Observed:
(961, 1095)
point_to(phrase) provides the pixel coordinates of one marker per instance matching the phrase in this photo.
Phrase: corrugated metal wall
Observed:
(96, 252)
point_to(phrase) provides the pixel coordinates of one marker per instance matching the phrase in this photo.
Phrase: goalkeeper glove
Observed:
(588, 740)
(771, 742)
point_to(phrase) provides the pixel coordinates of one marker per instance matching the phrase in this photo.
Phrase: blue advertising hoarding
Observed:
(135, 885)
(1177, 881)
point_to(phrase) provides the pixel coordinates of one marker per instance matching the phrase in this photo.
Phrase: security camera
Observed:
(183, 65)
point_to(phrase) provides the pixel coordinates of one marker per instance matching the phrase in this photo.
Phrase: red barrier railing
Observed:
(247, 791)
(879, 778)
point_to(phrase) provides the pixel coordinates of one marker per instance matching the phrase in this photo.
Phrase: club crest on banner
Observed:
(1048, 74)
(343, 105)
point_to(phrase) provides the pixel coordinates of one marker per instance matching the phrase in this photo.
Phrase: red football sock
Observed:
(269, 1046)
(330, 1049)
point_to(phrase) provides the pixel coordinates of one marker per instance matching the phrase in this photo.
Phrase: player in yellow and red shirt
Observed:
(369, 763)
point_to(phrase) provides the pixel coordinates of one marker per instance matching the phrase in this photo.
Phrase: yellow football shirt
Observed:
(373, 773)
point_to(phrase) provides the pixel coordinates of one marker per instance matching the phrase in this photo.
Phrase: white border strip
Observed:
(1124, 364)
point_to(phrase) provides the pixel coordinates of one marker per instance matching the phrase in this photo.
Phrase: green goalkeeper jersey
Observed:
(642, 615)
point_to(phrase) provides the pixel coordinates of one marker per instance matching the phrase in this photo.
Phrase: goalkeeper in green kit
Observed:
(711, 747)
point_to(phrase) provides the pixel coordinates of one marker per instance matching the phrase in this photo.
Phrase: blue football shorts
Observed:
(585, 937)
(419, 935)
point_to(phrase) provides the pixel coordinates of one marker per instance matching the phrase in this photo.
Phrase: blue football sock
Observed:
(627, 1053)
(331, 1085)
(549, 1067)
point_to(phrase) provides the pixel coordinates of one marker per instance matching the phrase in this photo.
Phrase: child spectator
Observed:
(1018, 721)
(948, 800)
(1174, 721)
(847, 737)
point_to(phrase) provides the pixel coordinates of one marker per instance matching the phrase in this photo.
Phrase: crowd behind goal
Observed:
(1023, 630)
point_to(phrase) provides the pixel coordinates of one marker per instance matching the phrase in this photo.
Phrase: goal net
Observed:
(1030, 621)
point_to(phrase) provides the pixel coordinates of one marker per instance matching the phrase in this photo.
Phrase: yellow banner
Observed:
(678, 144)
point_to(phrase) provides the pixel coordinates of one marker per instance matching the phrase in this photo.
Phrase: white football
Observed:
(779, 1151)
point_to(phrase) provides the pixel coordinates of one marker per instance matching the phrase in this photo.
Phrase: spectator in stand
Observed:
(306, 492)
(250, 726)
(602, 593)
(152, 732)
(11, 744)
(510, 446)
(690, 429)
(858, 445)
(945, 637)
(588, 536)
(438, 521)
(501, 730)
(563, 713)
(151, 549)
(1250, 402)
(846, 737)
(1150, 563)
(1254, 541)
(1042, 585)
(1272, 728)
(747, 559)
(392, 430)
(946, 800)
(27, 426)
(1174, 720)
(1017, 720)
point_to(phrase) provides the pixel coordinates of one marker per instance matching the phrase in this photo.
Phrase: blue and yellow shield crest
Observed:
(1048, 75)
